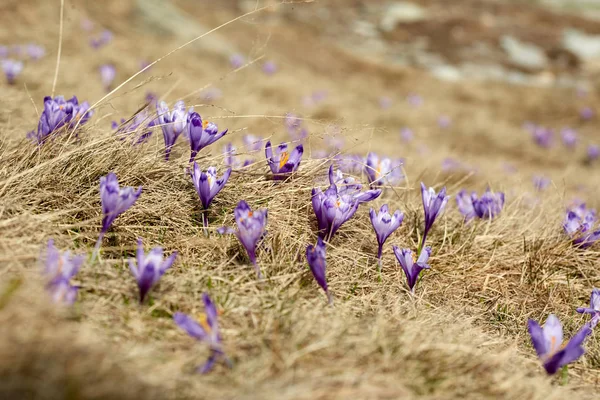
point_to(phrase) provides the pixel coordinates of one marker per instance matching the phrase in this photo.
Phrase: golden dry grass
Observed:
(463, 336)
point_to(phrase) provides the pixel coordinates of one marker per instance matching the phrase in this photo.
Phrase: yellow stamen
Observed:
(285, 156)
(203, 321)
(204, 124)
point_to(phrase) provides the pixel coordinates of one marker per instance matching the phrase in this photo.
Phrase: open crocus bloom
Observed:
(594, 309)
(411, 268)
(383, 171)
(283, 163)
(548, 343)
(579, 223)
(385, 224)
(150, 268)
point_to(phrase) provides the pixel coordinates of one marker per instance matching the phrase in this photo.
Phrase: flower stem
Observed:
(379, 254)
(205, 222)
(97, 247)
(329, 298)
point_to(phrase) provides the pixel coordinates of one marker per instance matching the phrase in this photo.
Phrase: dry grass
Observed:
(464, 336)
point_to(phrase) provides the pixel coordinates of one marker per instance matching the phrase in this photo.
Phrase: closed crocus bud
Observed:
(594, 309)
(411, 268)
(150, 268)
(433, 206)
(316, 258)
(172, 123)
(384, 225)
(208, 185)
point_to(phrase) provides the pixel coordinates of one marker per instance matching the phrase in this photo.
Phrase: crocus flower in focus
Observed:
(548, 343)
(237, 61)
(593, 152)
(411, 268)
(569, 137)
(251, 228)
(59, 268)
(283, 163)
(108, 72)
(316, 258)
(172, 123)
(338, 204)
(578, 225)
(383, 171)
(384, 225)
(57, 113)
(140, 126)
(594, 309)
(586, 113)
(208, 185)
(540, 182)
(201, 133)
(207, 330)
(150, 268)
(269, 68)
(115, 201)
(12, 69)
(433, 205)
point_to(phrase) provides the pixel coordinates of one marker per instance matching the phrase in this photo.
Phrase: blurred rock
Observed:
(401, 12)
(523, 54)
(583, 45)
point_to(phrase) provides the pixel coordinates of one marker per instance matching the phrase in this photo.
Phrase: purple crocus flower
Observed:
(316, 258)
(140, 126)
(208, 185)
(3, 51)
(57, 113)
(411, 268)
(269, 68)
(384, 225)
(569, 137)
(586, 113)
(150, 268)
(337, 205)
(594, 309)
(283, 163)
(593, 152)
(207, 330)
(115, 201)
(252, 142)
(172, 123)
(103, 39)
(548, 341)
(578, 225)
(383, 171)
(59, 268)
(433, 205)
(540, 182)
(237, 61)
(488, 206)
(12, 69)
(108, 72)
(35, 51)
(201, 133)
(251, 228)
(406, 134)
(542, 136)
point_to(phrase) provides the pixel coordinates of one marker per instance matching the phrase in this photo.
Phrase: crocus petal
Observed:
(537, 338)
(188, 324)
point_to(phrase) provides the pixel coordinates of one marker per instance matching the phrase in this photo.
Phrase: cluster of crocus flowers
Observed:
(412, 268)
(115, 201)
(593, 309)
(207, 185)
(488, 206)
(283, 163)
(206, 330)
(201, 133)
(316, 258)
(578, 225)
(59, 268)
(150, 267)
(58, 113)
(251, 227)
(548, 343)
(139, 127)
(384, 225)
(383, 171)
(338, 203)
(11, 69)
(108, 73)
(172, 123)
